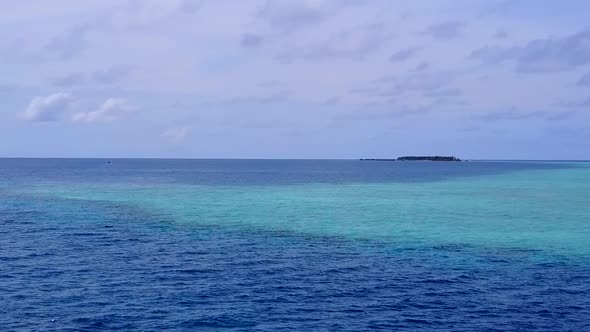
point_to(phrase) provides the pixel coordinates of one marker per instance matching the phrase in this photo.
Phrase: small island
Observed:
(419, 158)
(428, 158)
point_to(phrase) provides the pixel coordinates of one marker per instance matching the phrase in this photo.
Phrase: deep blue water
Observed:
(102, 263)
(247, 172)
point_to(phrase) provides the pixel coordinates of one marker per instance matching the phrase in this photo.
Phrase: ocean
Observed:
(300, 245)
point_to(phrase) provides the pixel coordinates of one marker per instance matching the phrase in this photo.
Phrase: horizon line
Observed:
(229, 158)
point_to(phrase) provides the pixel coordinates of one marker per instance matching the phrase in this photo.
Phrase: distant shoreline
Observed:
(417, 158)
(283, 159)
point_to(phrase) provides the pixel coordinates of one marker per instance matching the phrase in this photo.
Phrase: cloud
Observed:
(508, 115)
(445, 30)
(541, 55)
(384, 111)
(190, 6)
(269, 84)
(333, 100)
(443, 93)
(68, 44)
(498, 8)
(177, 134)
(46, 109)
(69, 80)
(112, 109)
(584, 80)
(289, 15)
(562, 115)
(250, 40)
(112, 75)
(501, 34)
(423, 82)
(104, 77)
(422, 66)
(64, 46)
(152, 13)
(493, 54)
(273, 98)
(8, 87)
(18, 51)
(513, 114)
(404, 54)
(578, 104)
(353, 44)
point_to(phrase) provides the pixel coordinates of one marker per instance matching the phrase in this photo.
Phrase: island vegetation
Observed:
(417, 158)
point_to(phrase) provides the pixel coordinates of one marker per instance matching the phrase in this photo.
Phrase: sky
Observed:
(478, 79)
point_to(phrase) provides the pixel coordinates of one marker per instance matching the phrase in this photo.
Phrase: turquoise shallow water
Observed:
(442, 246)
(546, 210)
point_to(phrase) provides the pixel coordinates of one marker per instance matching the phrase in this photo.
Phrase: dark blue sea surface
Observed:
(88, 245)
(247, 172)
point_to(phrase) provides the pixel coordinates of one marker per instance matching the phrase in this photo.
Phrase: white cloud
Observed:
(177, 134)
(112, 109)
(45, 109)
